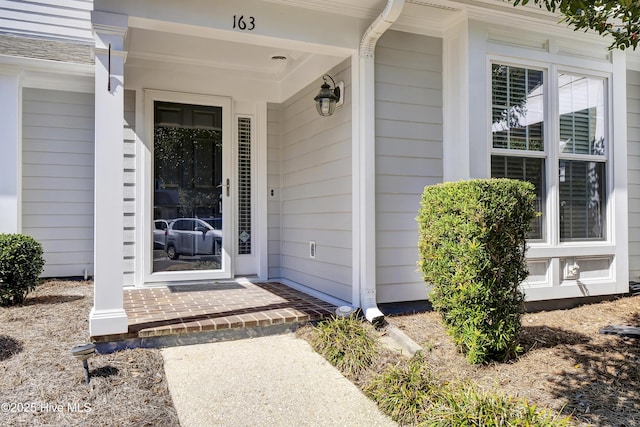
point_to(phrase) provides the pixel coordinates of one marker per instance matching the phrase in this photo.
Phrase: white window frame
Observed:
(551, 249)
(555, 71)
(551, 154)
(544, 154)
(227, 271)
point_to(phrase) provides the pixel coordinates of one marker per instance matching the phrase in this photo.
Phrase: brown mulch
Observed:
(42, 384)
(566, 365)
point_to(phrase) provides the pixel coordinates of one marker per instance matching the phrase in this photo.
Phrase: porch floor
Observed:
(191, 309)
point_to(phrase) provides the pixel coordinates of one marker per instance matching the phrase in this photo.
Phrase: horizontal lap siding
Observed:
(633, 151)
(273, 183)
(52, 19)
(57, 178)
(315, 195)
(408, 155)
(129, 187)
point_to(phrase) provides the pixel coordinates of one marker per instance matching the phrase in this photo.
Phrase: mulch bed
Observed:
(41, 383)
(566, 364)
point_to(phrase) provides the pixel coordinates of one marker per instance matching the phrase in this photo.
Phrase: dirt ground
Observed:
(42, 384)
(566, 365)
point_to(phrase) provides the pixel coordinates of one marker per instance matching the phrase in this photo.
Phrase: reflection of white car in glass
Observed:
(192, 236)
(160, 233)
(215, 222)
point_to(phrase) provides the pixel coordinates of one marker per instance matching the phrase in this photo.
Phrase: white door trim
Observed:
(254, 264)
(146, 176)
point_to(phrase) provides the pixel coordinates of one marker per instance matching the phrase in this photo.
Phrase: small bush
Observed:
(410, 394)
(21, 264)
(405, 391)
(472, 249)
(465, 405)
(346, 344)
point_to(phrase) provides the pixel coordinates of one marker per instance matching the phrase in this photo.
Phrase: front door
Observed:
(191, 190)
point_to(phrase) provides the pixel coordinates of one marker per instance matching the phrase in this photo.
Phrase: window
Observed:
(244, 185)
(523, 132)
(582, 161)
(518, 132)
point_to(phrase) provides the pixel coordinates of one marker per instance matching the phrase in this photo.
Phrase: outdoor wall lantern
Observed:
(328, 99)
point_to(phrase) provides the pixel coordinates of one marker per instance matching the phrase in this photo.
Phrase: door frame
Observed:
(254, 264)
(228, 146)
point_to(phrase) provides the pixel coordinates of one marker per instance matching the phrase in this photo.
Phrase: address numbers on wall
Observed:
(243, 23)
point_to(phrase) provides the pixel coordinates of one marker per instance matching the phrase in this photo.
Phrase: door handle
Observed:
(227, 185)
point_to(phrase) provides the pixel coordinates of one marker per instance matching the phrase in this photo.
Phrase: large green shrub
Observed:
(472, 250)
(21, 264)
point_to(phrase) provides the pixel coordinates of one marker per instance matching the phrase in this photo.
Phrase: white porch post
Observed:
(455, 100)
(108, 315)
(465, 93)
(10, 161)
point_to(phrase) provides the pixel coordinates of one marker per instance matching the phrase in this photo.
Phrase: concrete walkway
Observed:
(268, 381)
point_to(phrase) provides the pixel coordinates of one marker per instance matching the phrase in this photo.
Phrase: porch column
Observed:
(10, 160)
(455, 103)
(108, 315)
(464, 95)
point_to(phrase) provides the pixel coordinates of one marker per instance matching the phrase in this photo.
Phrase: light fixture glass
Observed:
(328, 98)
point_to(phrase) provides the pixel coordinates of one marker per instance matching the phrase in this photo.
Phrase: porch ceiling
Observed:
(256, 62)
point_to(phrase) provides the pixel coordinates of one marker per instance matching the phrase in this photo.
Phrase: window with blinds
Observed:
(582, 160)
(518, 125)
(517, 108)
(525, 169)
(244, 186)
(517, 130)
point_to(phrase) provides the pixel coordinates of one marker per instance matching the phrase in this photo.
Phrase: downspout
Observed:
(367, 158)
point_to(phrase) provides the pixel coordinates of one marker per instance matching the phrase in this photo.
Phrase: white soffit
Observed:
(431, 17)
(354, 8)
(256, 61)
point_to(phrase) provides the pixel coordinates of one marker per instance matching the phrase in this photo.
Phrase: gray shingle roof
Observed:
(45, 49)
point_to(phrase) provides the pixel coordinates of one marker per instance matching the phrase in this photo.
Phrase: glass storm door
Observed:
(190, 189)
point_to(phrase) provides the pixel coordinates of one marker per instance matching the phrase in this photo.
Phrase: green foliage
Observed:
(410, 394)
(619, 19)
(472, 249)
(405, 391)
(465, 405)
(21, 264)
(346, 344)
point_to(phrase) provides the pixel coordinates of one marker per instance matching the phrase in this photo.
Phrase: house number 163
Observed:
(244, 24)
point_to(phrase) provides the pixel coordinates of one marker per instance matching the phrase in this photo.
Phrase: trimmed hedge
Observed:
(472, 250)
(21, 264)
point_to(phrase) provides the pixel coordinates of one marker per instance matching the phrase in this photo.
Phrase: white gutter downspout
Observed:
(367, 159)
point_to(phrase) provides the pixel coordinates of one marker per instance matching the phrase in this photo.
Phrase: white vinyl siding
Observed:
(129, 187)
(315, 194)
(408, 155)
(633, 135)
(57, 178)
(53, 19)
(273, 188)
